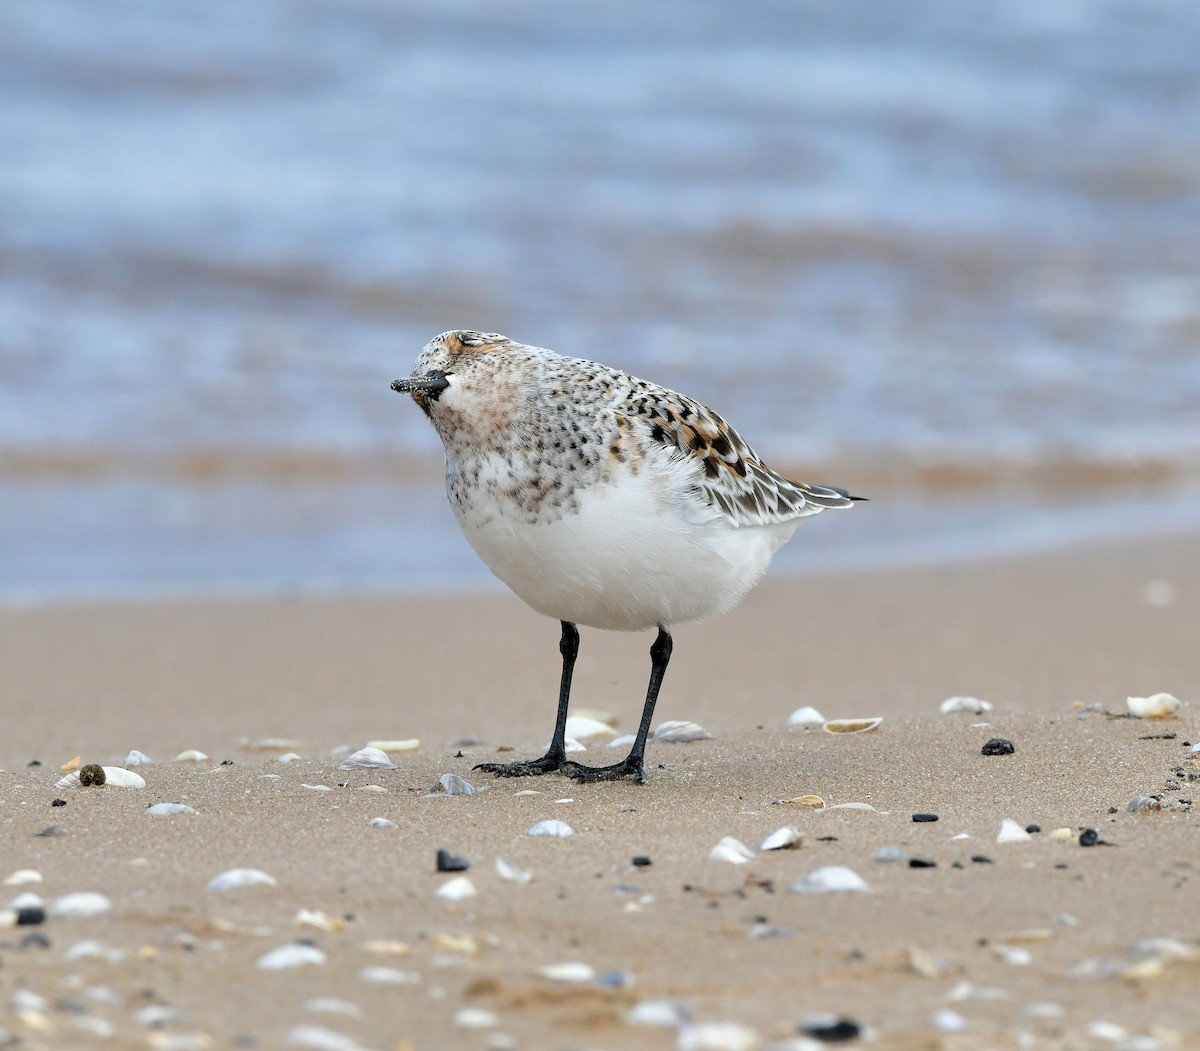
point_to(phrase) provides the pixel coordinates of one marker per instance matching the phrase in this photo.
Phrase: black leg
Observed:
(660, 655)
(568, 646)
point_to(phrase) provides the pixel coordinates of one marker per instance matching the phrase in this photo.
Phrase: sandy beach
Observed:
(1041, 943)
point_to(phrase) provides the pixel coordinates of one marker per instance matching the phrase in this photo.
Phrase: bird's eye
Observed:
(472, 341)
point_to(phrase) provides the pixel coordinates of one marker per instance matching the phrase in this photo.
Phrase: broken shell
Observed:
(731, 850)
(804, 802)
(454, 785)
(830, 878)
(474, 1018)
(80, 905)
(1014, 954)
(582, 727)
(71, 764)
(947, 1020)
(116, 776)
(297, 954)
(318, 1038)
(160, 809)
(23, 876)
(624, 741)
(807, 716)
(784, 838)
(332, 1005)
(317, 788)
(136, 758)
(852, 726)
(1063, 835)
(680, 731)
(718, 1036)
(1143, 803)
(369, 758)
(288, 757)
(320, 920)
(669, 1014)
(456, 889)
(552, 827)
(270, 744)
(1158, 706)
(191, 755)
(853, 806)
(568, 972)
(381, 822)
(390, 976)
(508, 871)
(232, 879)
(965, 704)
(410, 744)
(1011, 832)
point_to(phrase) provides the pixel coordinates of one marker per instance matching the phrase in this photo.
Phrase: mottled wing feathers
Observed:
(734, 480)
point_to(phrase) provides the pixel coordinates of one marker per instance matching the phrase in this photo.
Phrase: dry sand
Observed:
(1041, 637)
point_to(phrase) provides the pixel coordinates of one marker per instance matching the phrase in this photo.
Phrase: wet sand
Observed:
(1053, 641)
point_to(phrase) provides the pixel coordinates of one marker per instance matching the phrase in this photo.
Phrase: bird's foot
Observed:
(630, 768)
(548, 763)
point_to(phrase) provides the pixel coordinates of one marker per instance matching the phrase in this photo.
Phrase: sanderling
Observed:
(601, 500)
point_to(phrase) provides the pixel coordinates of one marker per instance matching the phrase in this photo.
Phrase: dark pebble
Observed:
(34, 762)
(827, 839)
(1089, 837)
(642, 860)
(922, 863)
(51, 830)
(1033, 828)
(833, 1030)
(925, 817)
(447, 862)
(998, 746)
(31, 917)
(227, 762)
(958, 865)
(58, 802)
(981, 859)
(35, 940)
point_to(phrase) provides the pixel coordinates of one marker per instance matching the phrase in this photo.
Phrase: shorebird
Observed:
(602, 500)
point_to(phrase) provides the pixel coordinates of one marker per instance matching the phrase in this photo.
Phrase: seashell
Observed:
(22, 876)
(368, 758)
(474, 1018)
(1159, 706)
(318, 1038)
(1063, 835)
(887, 855)
(317, 788)
(191, 755)
(1014, 955)
(924, 963)
(332, 1005)
(296, 954)
(27, 900)
(1142, 804)
(573, 972)
(1109, 1031)
(853, 806)
(830, 878)
(508, 871)
(1043, 1010)
(853, 726)
(71, 764)
(680, 731)
(389, 976)
(807, 716)
(786, 838)
(381, 822)
(270, 744)
(965, 704)
(160, 809)
(947, 1020)
(582, 727)
(232, 879)
(669, 1014)
(1162, 949)
(624, 741)
(92, 950)
(718, 1036)
(320, 920)
(552, 827)
(116, 776)
(408, 744)
(456, 889)
(804, 802)
(136, 758)
(387, 947)
(270, 777)
(79, 906)
(1011, 832)
(288, 757)
(460, 943)
(731, 850)
(570, 745)
(372, 788)
(157, 1015)
(453, 785)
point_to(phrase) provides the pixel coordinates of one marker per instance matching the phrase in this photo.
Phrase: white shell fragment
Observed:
(454, 785)
(23, 876)
(136, 758)
(332, 1005)
(965, 704)
(409, 744)
(731, 850)
(474, 1018)
(552, 827)
(1062, 835)
(390, 976)
(668, 1014)
(809, 802)
(866, 807)
(948, 1020)
(568, 972)
(317, 788)
(116, 776)
(232, 879)
(807, 716)
(1159, 706)
(508, 871)
(368, 758)
(456, 889)
(718, 1036)
(853, 726)
(1011, 832)
(191, 755)
(581, 727)
(381, 822)
(79, 906)
(318, 1038)
(1143, 804)
(27, 900)
(160, 809)
(782, 839)
(624, 741)
(680, 731)
(321, 920)
(830, 878)
(286, 957)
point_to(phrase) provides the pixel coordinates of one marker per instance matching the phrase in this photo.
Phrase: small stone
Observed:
(92, 774)
(1033, 828)
(30, 916)
(1089, 837)
(58, 802)
(981, 859)
(447, 862)
(641, 860)
(924, 817)
(998, 746)
(922, 863)
(830, 1029)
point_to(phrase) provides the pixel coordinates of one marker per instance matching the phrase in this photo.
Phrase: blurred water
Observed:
(906, 248)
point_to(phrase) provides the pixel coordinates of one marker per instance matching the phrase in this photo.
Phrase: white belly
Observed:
(635, 555)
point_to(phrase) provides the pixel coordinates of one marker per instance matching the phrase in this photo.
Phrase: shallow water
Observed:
(908, 251)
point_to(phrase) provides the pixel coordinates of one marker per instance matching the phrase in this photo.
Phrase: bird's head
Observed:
(442, 374)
